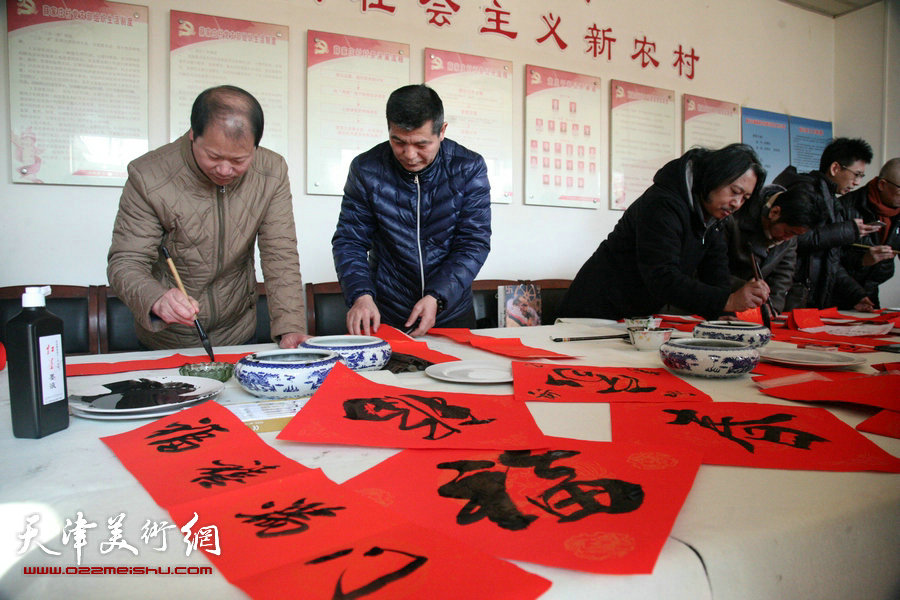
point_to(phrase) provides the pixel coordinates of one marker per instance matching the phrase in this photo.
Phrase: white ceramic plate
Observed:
(472, 371)
(169, 409)
(815, 359)
(203, 389)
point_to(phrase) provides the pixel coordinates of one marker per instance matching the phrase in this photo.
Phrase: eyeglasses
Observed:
(890, 182)
(856, 174)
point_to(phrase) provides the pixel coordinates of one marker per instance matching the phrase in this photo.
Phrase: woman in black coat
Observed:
(667, 249)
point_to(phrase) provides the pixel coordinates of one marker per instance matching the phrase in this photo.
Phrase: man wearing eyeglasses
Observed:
(820, 279)
(877, 203)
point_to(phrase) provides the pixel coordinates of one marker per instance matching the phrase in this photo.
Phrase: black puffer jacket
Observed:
(856, 206)
(660, 252)
(402, 235)
(820, 281)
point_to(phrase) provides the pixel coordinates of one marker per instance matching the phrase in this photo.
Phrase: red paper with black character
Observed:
(349, 409)
(590, 506)
(198, 452)
(306, 534)
(511, 347)
(263, 531)
(753, 435)
(580, 383)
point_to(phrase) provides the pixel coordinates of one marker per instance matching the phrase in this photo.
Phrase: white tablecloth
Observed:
(743, 533)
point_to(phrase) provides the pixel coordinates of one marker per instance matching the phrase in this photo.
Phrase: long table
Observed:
(743, 532)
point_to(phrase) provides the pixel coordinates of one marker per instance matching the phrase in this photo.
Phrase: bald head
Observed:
(234, 111)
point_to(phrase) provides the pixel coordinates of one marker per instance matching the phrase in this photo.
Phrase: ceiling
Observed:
(831, 8)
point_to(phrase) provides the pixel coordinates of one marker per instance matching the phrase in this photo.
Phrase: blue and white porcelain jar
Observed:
(738, 331)
(359, 352)
(705, 357)
(289, 373)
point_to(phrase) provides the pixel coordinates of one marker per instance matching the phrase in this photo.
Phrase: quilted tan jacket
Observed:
(210, 233)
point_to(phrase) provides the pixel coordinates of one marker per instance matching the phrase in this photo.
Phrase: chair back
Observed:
(263, 321)
(74, 304)
(326, 311)
(552, 292)
(484, 299)
(116, 323)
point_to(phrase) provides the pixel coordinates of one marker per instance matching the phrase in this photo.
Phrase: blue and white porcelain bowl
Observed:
(737, 331)
(359, 352)
(289, 373)
(704, 357)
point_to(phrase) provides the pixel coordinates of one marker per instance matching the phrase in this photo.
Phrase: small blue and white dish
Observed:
(288, 373)
(359, 352)
(704, 357)
(737, 331)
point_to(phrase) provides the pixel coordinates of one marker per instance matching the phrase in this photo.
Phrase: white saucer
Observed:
(472, 371)
(814, 359)
(203, 388)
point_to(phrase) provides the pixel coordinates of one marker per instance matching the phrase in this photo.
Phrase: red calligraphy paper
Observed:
(890, 366)
(406, 562)
(349, 409)
(753, 435)
(804, 318)
(146, 364)
(884, 422)
(881, 390)
(512, 347)
(262, 531)
(404, 344)
(580, 383)
(197, 452)
(298, 524)
(591, 506)
(751, 315)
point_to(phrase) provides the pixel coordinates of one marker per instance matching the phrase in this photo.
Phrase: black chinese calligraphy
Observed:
(222, 473)
(600, 383)
(413, 411)
(139, 393)
(287, 521)
(179, 437)
(377, 583)
(763, 429)
(483, 484)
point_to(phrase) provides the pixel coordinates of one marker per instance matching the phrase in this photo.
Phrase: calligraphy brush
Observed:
(591, 337)
(896, 252)
(203, 338)
(767, 311)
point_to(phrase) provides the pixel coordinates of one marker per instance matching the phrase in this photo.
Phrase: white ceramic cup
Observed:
(649, 339)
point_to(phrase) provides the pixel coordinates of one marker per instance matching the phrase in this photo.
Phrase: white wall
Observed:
(867, 92)
(760, 53)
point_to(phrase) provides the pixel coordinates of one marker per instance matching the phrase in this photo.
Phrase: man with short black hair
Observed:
(766, 227)
(208, 197)
(820, 280)
(878, 203)
(415, 223)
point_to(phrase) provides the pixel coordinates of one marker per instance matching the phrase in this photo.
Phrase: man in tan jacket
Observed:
(207, 197)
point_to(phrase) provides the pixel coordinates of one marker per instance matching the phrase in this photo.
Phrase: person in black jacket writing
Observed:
(668, 249)
(415, 223)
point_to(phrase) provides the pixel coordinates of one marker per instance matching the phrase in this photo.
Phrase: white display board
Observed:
(207, 51)
(709, 123)
(641, 138)
(477, 94)
(77, 90)
(348, 81)
(562, 138)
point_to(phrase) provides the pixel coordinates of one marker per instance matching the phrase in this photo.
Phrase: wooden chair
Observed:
(263, 321)
(326, 311)
(115, 323)
(76, 305)
(484, 298)
(552, 292)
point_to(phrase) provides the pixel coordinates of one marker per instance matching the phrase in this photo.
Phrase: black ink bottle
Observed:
(37, 368)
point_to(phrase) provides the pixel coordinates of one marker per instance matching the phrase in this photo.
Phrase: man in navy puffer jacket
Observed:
(415, 223)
